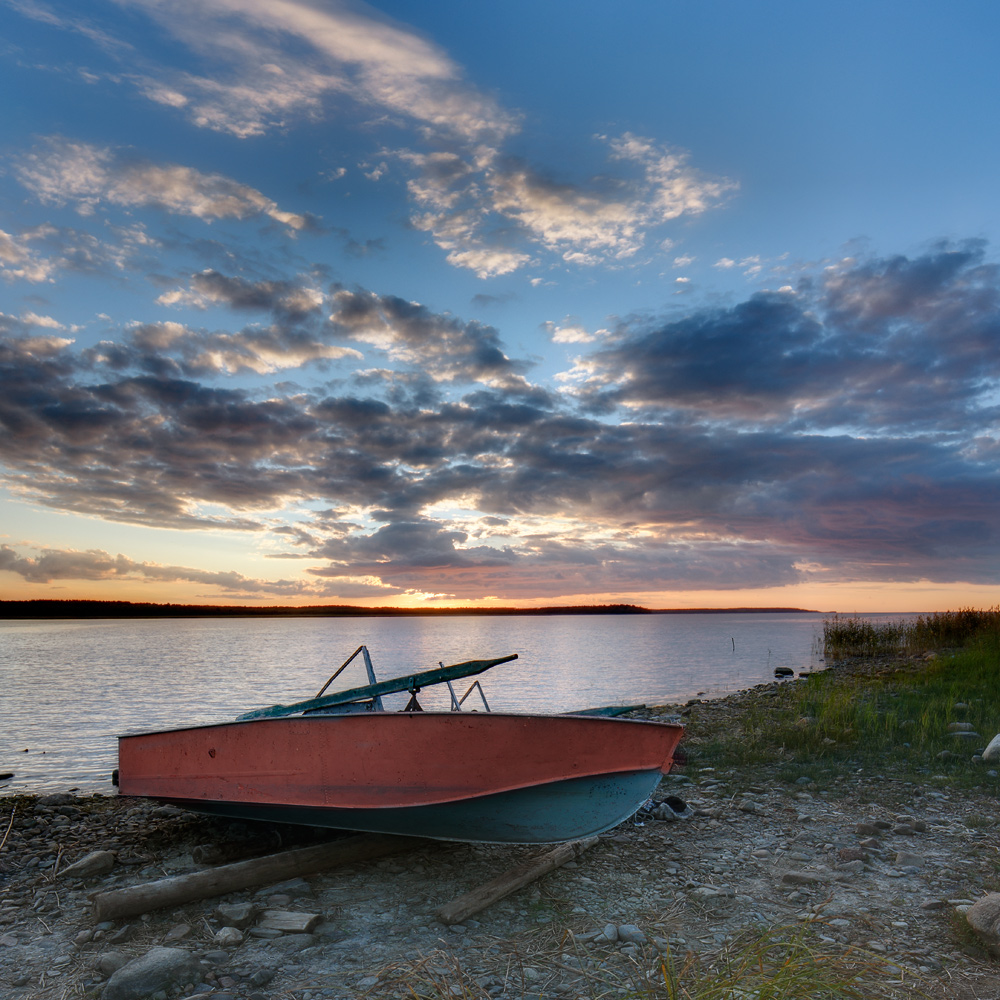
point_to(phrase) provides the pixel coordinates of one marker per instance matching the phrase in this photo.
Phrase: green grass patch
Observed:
(884, 719)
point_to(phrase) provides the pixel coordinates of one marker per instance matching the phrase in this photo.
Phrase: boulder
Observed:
(992, 751)
(984, 919)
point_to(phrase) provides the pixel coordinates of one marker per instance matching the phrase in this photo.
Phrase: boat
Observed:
(343, 761)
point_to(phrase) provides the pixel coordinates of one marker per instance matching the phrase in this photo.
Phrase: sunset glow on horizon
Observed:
(430, 306)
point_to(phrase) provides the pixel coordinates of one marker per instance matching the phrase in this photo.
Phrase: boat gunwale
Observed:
(339, 716)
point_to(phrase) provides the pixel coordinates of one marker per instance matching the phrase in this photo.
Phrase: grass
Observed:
(777, 964)
(784, 963)
(887, 717)
(849, 637)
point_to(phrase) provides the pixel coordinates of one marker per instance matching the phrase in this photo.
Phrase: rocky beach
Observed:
(865, 870)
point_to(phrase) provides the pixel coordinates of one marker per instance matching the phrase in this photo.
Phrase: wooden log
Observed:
(510, 881)
(179, 889)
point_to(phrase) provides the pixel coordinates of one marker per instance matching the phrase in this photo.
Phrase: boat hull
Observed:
(468, 776)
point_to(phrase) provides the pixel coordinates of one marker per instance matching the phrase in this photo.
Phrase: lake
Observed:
(68, 688)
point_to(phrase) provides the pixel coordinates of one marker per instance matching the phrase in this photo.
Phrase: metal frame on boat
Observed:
(341, 760)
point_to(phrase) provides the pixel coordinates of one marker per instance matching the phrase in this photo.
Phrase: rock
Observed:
(290, 943)
(960, 727)
(95, 863)
(159, 969)
(110, 962)
(288, 921)
(608, 936)
(801, 878)
(970, 735)
(852, 854)
(239, 915)
(56, 799)
(851, 867)
(228, 937)
(992, 751)
(984, 919)
(631, 933)
(672, 809)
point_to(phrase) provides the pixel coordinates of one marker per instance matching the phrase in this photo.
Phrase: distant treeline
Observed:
(44, 608)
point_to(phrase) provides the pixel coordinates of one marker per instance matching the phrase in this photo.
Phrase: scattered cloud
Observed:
(19, 262)
(266, 62)
(481, 207)
(86, 175)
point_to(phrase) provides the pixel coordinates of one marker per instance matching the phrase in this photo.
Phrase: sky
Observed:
(521, 304)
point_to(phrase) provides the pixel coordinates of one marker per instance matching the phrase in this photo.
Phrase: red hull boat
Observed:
(459, 775)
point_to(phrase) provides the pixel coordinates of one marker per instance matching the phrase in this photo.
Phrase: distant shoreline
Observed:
(45, 608)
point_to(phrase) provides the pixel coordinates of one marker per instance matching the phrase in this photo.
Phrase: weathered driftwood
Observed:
(133, 900)
(510, 881)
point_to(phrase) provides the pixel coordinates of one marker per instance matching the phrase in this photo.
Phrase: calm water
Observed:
(68, 688)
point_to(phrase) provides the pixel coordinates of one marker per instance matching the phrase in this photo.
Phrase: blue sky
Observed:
(680, 305)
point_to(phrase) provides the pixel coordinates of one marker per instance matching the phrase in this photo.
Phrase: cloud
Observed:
(288, 299)
(888, 346)
(87, 175)
(270, 60)
(98, 565)
(845, 429)
(446, 348)
(481, 206)
(256, 349)
(18, 261)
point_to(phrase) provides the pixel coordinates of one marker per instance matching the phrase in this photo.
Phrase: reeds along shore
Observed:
(895, 703)
(849, 637)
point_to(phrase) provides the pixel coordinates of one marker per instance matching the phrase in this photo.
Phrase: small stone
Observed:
(852, 854)
(288, 921)
(239, 915)
(110, 962)
(95, 863)
(228, 937)
(801, 878)
(121, 934)
(608, 936)
(177, 933)
(631, 934)
(851, 867)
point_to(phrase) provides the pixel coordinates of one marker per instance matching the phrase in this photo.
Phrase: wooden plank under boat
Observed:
(459, 775)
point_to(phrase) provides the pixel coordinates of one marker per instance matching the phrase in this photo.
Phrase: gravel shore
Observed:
(875, 868)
